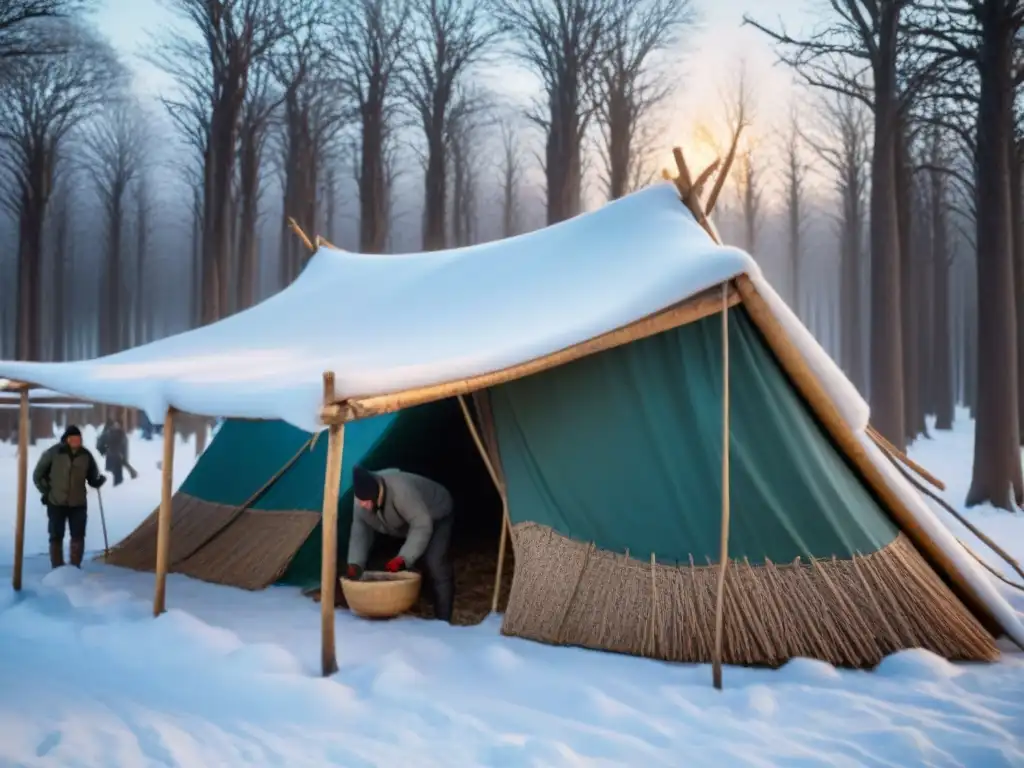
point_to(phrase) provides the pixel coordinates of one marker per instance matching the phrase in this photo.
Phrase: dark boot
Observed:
(77, 551)
(444, 599)
(56, 554)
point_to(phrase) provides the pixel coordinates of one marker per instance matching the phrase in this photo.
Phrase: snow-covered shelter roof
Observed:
(386, 324)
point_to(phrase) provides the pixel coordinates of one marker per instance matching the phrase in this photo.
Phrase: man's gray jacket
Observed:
(408, 510)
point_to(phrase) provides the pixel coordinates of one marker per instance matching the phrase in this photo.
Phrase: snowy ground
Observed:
(226, 678)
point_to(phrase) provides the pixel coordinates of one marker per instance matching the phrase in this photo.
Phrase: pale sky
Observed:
(713, 49)
(712, 54)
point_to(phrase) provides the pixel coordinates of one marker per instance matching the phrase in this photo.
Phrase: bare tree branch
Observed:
(448, 38)
(564, 43)
(629, 84)
(368, 42)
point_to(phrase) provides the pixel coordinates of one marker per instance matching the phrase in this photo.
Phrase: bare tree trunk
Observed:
(1017, 220)
(886, 392)
(59, 296)
(142, 307)
(851, 297)
(913, 414)
(971, 345)
(925, 292)
(435, 186)
(750, 200)
(30, 253)
(794, 179)
(31, 285)
(198, 267)
(997, 476)
(331, 204)
(248, 241)
(459, 193)
(511, 170)
(942, 371)
(217, 204)
(373, 228)
(288, 247)
(563, 161)
(112, 293)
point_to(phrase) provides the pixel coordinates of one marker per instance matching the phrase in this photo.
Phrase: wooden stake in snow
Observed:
(19, 526)
(329, 527)
(716, 671)
(690, 194)
(163, 529)
(506, 524)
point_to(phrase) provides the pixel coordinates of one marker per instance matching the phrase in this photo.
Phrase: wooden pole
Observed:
(824, 409)
(502, 544)
(163, 528)
(895, 453)
(329, 546)
(716, 665)
(19, 525)
(506, 524)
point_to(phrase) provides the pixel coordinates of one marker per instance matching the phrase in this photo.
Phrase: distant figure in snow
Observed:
(61, 476)
(146, 426)
(409, 507)
(113, 445)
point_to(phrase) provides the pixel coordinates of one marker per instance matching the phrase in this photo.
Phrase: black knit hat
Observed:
(71, 431)
(365, 485)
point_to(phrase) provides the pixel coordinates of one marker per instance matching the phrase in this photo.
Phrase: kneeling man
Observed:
(409, 507)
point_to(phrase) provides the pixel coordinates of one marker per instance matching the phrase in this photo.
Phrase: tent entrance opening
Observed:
(433, 440)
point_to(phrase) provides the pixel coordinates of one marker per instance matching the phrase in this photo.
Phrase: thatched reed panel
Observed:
(850, 613)
(252, 552)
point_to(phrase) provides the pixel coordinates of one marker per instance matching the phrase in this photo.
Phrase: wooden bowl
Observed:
(382, 595)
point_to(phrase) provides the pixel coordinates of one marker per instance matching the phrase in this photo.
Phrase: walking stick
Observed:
(103, 522)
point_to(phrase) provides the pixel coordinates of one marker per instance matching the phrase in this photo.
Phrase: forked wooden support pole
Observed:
(723, 556)
(19, 524)
(294, 225)
(163, 526)
(329, 545)
(690, 190)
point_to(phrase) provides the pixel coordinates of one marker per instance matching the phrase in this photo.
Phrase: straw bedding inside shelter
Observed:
(850, 613)
(251, 552)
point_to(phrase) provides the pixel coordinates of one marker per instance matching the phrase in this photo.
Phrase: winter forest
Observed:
(886, 207)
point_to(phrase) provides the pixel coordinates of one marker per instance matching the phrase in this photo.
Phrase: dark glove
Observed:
(100, 482)
(43, 499)
(395, 565)
(353, 572)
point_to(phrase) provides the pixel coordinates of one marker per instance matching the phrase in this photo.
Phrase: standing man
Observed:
(409, 507)
(61, 476)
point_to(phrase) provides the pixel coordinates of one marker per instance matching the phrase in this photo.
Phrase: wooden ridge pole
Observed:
(329, 527)
(716, 667)
(163, 528)
(19, 524)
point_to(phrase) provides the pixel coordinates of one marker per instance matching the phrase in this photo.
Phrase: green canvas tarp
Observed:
(244, 454)
(612, 466)
(277, 537)
(624, 450)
